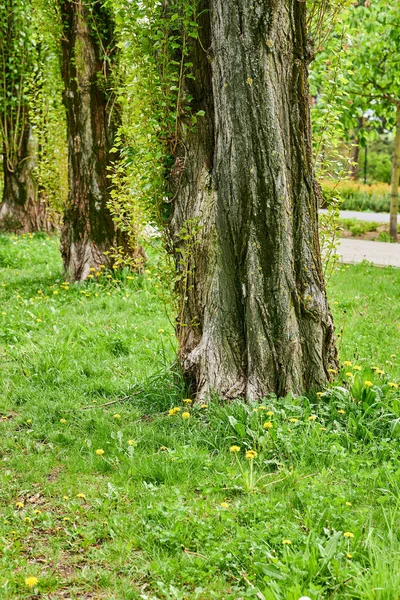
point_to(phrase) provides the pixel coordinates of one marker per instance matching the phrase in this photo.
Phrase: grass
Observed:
(359, 228)
(168, 511)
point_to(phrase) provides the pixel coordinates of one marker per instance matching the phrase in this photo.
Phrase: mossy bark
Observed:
(92, 120)
(255, 316)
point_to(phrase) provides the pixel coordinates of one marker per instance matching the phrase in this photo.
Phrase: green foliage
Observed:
(357, 196)
(167, 507)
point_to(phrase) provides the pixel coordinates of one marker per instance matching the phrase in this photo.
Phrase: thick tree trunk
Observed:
(394, 195)
(254, 316)
(89, 230)
(21, 209)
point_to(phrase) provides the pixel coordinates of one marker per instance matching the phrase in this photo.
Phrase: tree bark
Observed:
(89, 231)
(254, 317)
(21, 210)
(394, 193)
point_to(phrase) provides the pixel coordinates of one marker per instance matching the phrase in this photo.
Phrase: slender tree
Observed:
(21, 208)
(255, 317)
(88, 57)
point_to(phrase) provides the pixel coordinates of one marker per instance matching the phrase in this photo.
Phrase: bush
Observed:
(357, 196)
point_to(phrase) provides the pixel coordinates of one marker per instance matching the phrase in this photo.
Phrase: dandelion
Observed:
(347, 363)
(174, 410)
(268, 425)
(356, 368)
(81, 496)
(117, 416)
(323, 429)
(29, 421)
(204, 406)
(349, 556)
(349, 504)
(393, 385)
(27, 520)
(262, 408)
(19, 505)
(320, 394)
(286, 542)
(37, 511)
(224, 505)
(341, 411)
(31, 582)
(332, 371)
(293, 420)
(380, 372)
(163, 448)
(63, 421)
(188, 401)
(312, 418)
(185, 415)
(375, 368)
(348, 534)
(368, 383)
(161, 331)
(250, 454)
(99, 452)
(234, 449)
(348, 374)
(92, 269)
(131, 442)
(270, 413)
(392, 356)
(65, 497)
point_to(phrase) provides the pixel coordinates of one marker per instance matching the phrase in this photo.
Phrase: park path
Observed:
(362, 216)
(382, 254)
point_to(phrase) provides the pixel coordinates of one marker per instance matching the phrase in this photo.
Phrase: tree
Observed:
(375, 48)
(255, 317)
(21, 208)
(88, 58)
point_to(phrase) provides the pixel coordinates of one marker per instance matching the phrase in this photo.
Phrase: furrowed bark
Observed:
(92, 121)
(394, 192)
(255, 317)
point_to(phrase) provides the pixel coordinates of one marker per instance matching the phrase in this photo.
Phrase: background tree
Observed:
(21, 208)
(89, 54)
(255, 317)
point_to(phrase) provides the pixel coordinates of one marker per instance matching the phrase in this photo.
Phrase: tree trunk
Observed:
(394, 195)
(254, 317)
(355, 153)
(21, 209)
(88, 231)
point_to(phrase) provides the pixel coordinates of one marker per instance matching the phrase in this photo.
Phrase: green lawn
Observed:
(166, 511)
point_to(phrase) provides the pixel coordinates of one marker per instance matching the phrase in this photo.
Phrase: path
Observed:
(382, 254)
(362, 216)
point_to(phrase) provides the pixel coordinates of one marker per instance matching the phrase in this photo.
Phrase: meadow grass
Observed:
(131, 500)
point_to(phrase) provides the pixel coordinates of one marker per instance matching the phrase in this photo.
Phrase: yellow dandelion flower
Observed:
(347, 363)
(286, 542)
(341, 411)
(270, 413)
(92, 269)
(185, 415)
(163, 448)
(293, 420)
(29, 421)
(262, 407)
(348, 374)
(323, 429)
(357, 368)
(65, 497)
(81, 495)
(161, 331)
(312, 418)
(268, 425)
(393, 385)
(188, 401)
(250, 454)
(55, 292)
(27, 520)
(131, 442)
(204, 406)
(224, 505)
(99, 452)
(368, 383)
(63, 421)
(19, 505)
(375, 368)
(333, 371)
(320, 394)
(348, 534)
(31, 582)
(380, 372)
(37, 511)
(349, 504)
(234, 449)
(117, 416)
(349, 556)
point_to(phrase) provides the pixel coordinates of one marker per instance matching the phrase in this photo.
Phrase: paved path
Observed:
(362, 216)
(382, 254)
